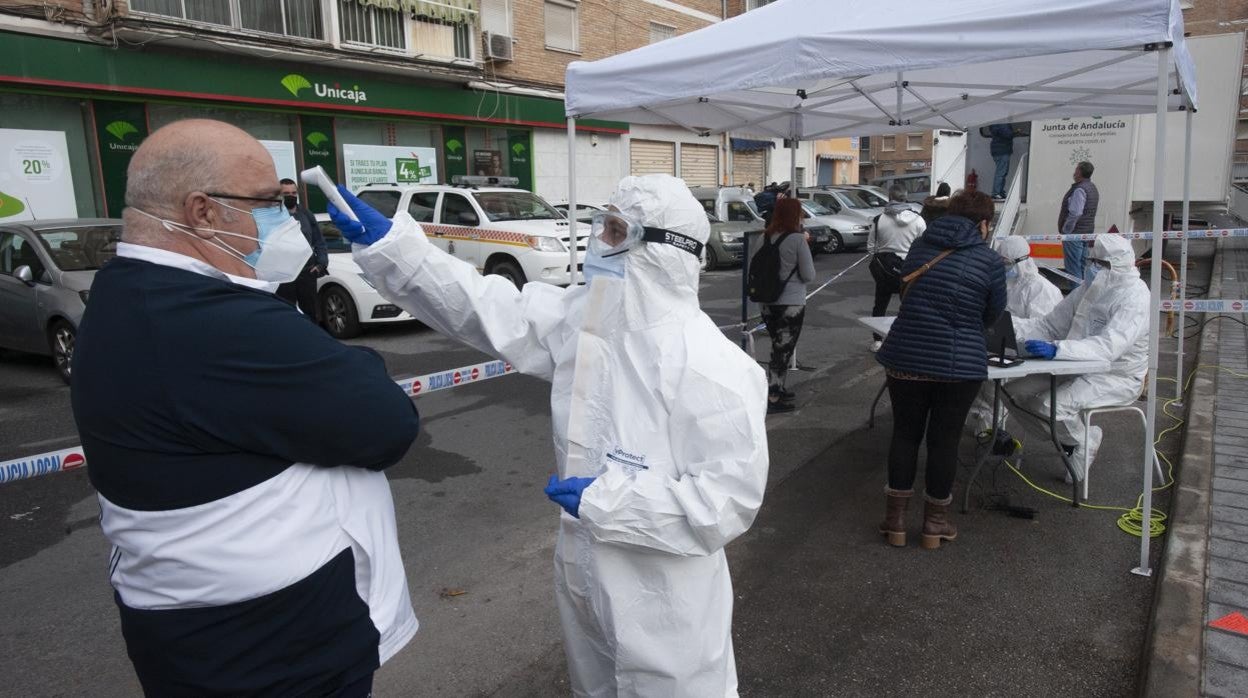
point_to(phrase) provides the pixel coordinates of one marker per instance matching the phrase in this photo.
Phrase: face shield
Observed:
(613, 233)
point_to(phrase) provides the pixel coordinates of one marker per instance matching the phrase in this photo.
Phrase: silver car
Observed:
(46, 268)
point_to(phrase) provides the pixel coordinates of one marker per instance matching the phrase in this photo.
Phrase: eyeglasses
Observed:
(265, 199)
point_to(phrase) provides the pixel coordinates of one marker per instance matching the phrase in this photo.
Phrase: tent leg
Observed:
(1154, 305)
(1181, 278)
(573, 227)
(793, 185)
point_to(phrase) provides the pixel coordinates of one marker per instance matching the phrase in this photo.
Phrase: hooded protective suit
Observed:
(1030, 296)
(1106, 319)
(652, 400)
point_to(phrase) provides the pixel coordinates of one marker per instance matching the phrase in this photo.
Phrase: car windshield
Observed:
(81, 248)
(516, 206)
(861, 198)
(386, 201)
(816, 209)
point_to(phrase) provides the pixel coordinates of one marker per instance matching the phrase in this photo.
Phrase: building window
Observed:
(562, 32)
(755, 4)
(660, 32)
(435, 37)
(367, 25)
(888, 143)
(914, 141)
(297, 18)
(496, 17)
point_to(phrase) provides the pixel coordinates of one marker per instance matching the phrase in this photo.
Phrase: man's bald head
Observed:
(200, 174)
(186, 156)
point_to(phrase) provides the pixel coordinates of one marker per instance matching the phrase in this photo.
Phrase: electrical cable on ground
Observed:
(1132, 519)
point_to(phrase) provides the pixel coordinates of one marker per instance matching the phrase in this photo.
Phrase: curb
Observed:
(1173, 654)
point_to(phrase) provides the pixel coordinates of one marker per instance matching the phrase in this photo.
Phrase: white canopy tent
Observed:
(809, 69)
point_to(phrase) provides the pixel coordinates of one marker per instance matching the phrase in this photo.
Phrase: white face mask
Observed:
(282, 253)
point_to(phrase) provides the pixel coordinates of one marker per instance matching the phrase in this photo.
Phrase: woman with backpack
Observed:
(785, 257)
(953, 286)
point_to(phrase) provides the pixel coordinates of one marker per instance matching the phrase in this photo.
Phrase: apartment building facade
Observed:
(372, 90)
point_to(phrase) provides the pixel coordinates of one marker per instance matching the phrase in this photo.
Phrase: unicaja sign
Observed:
(295, 84)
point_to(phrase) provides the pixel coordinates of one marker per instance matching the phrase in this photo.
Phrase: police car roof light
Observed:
(479, 181)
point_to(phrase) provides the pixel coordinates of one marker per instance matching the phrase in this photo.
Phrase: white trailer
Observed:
(1122, 149)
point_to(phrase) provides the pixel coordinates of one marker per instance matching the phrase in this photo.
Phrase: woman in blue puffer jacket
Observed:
(936, 358)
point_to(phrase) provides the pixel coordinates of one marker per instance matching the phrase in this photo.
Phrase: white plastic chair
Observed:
(1087, 423)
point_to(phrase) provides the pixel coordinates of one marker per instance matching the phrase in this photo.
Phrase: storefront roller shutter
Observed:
(750, 166)
(699, 165)
(652, 157)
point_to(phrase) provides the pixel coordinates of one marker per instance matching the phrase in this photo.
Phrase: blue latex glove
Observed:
(1040, 348)
(567, 493)
(371, 227)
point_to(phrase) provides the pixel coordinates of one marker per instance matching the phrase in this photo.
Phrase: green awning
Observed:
(453, 11)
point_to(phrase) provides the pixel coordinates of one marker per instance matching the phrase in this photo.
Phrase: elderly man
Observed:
(1105, 319)
(1077, 216)
(237, 449)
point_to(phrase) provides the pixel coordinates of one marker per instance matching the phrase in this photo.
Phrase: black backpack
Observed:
(764, 282)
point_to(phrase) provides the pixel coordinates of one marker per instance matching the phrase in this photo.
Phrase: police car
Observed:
(498, 229)
(349, 302)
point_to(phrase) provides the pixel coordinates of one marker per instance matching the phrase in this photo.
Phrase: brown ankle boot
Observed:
(894, 524)
(936, 525)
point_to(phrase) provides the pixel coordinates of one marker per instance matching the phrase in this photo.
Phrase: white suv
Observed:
(510, 232)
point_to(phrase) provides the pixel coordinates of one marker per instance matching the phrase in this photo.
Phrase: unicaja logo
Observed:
(317, 139)
(120, 131)
(295, 84)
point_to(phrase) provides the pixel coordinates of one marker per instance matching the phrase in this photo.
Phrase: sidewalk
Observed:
(1204, 578)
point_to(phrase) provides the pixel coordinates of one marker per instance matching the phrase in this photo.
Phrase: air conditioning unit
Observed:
(498, 47)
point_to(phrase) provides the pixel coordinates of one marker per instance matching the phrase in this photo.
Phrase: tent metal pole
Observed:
(1154, 304)
(1181, 279)
(573, 228)
(793, 188)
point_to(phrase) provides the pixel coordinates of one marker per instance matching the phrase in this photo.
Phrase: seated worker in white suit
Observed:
(660, 445)
(1106, 319)
(1030, 295)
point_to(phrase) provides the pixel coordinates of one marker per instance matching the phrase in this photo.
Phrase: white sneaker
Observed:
(1095, 434)
(875, 346)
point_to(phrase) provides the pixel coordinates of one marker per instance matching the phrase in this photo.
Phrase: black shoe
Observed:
(786, 395)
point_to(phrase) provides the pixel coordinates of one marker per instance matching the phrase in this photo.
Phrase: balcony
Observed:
(436, 30)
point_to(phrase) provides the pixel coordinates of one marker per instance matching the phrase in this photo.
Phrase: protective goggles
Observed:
(613, 233)
(1102, 263)
(1011, 262)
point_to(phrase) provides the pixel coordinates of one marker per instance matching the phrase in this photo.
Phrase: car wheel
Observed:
(835, 243)
(338, 313)
(712, 259)
(61, 336)
(510, 271)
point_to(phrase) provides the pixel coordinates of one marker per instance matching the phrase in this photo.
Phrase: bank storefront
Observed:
(72, 115)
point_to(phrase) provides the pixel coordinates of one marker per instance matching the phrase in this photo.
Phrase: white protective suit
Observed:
(1106, 319)
(649, 397)
(1030, 296)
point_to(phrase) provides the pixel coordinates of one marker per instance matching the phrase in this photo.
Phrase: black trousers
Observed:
(784, 326)
(886, 270)
(933, 410)
(302, 293)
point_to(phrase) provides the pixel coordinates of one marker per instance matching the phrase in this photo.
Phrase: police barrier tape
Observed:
(1210, 234)
(760, 326)
(1206, 306)
(73, 458)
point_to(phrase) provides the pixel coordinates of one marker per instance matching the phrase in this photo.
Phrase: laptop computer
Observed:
(1000, 339)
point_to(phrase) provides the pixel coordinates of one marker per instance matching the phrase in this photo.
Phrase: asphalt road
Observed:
(1031, 607)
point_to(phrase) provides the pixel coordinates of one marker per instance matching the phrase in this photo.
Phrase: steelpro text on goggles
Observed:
(609, 226)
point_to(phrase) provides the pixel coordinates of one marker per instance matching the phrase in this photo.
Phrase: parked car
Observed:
(510, 232)
(736, 205)
(348, 301)
(918, 185)
(847, 230)
(46, 269)
(726, 244)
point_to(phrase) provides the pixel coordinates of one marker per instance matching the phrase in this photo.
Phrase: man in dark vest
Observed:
(302, 291)
(1077, 215)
